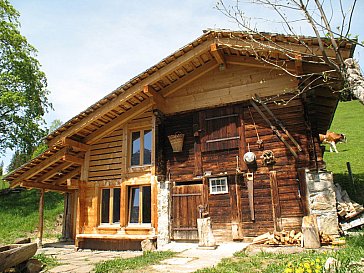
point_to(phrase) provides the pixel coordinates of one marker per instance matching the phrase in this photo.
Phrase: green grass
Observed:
(119, 265)
(349, 119)
(48, 261)
(3, 184)
(19, 214)
(301, 262)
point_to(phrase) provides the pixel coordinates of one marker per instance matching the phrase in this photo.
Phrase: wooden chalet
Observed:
(124, 182)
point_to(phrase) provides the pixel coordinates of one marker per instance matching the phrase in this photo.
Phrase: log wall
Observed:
(285, 188)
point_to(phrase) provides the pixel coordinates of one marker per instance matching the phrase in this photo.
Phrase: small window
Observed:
(218, 185)
(141, 148)
(110, 206)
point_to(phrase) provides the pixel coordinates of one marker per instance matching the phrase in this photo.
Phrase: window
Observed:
(110, 206)
(141, 148)
(221, 127)
(139, 205)
(218, 185)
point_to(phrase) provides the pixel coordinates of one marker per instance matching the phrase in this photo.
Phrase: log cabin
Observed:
(219, 128)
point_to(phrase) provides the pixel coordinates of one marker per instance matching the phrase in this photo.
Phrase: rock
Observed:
(33, 266)
(148, 245)
(331, 265)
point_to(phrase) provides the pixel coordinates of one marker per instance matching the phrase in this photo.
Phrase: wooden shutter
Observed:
(220, 129)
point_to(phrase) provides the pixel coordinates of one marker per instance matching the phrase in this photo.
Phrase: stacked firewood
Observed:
(279, 238)
(346, 208)
(289, 238)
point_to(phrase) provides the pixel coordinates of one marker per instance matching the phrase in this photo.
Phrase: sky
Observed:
(88, 48)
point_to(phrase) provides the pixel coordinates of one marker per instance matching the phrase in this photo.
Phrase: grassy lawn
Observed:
(120, 265)
(309, 261)
(349, 119)
(19, 214)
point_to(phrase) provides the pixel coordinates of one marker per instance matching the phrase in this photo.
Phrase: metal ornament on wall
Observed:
(268, 157)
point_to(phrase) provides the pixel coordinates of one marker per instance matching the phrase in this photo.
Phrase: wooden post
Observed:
(41, 218)
(350, 175)
(250, 184)
(276, 206)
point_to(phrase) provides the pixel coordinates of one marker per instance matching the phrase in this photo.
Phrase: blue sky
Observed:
(88, 48)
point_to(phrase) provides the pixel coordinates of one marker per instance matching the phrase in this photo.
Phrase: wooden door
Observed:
(185, 202)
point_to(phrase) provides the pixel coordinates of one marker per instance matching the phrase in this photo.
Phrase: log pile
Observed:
(279, 238)
(346, 208)
(290, 238)
(351, 214)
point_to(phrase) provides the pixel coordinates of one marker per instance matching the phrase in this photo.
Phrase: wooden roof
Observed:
(213, 49)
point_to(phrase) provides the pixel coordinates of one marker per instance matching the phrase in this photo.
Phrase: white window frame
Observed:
(213, 188)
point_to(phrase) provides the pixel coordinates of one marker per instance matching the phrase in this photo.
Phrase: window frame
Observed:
(110, 207)
(213, 179)
(140, 213)
(142, 147)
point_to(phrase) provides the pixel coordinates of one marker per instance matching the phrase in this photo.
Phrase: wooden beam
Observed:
(72, 184)
(72, 159)
(45, 186)
(122, 119)
(197, 73)
(127, 94)
(77, 146)
(158, 99)
(41, 218)
(67, 176)
(41, 166)
(252, 62)
(276, 205)
(54, 171)
(218, 55)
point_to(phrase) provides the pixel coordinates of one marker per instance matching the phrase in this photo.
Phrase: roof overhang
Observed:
(150, 90)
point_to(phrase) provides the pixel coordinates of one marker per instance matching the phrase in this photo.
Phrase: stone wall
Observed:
(164, 214)
(322, 200)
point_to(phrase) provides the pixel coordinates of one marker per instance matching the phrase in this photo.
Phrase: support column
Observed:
(322, 200)
(41, 218)
(164, 213)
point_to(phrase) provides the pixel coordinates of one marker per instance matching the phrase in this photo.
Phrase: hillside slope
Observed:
(349, 120)
(19, 214)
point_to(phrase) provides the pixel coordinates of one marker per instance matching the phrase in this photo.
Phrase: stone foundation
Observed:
(164, 204)
(322, 200)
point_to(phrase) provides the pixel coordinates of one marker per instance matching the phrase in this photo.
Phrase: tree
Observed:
(319, 17)
(23, 93)
(20, 157)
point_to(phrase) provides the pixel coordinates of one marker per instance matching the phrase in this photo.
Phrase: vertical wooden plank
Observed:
(303, 191)
(41, 218)
(275, 200)
(242, 144)
(197, 145)
(250, 184)
(123, 205)
(82, 193)
(125, 149)
(154, 203)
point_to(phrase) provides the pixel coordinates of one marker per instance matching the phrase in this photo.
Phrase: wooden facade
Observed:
(111, 158)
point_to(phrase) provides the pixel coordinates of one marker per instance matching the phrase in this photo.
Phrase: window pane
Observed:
(116, 206)
(134, 205)
(146, 205)
(147, 147)
(105, 206)
(135, 149)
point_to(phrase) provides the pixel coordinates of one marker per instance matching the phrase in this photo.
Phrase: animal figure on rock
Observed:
(332, 139)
